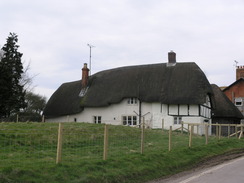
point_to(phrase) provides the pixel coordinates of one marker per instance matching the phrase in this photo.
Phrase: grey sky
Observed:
(53, 35)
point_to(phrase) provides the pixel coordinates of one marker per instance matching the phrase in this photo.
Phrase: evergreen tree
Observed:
(11, 91)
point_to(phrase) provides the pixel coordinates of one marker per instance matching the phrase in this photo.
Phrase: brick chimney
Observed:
(171, 58)
(239, 72)
(85, 76)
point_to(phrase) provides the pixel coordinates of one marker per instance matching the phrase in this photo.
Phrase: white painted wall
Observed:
(111, 114)
(153, 114)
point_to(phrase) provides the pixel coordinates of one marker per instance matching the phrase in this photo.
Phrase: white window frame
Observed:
(177, 120)
(132, 101)
(97, 119)
(129, 120)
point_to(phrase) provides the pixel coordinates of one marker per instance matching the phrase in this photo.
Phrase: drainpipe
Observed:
(140, 113)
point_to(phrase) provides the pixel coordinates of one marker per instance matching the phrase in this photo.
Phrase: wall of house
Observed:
(169, 121)
(111, 114)
(153, 113)
(236, 92)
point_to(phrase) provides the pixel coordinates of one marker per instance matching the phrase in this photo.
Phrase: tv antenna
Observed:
(236, 63)
(90, 46)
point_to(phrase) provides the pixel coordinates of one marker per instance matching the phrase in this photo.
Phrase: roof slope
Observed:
(224, 107)
(241, 80)
(183, 83)
(64, 101)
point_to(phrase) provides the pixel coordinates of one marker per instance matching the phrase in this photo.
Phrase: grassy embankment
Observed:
(28, 152)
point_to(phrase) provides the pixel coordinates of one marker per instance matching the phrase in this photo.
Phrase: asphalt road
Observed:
(228, 172)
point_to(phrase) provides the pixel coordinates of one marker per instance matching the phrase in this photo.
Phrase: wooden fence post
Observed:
(59, 145)
(206, 134)
(170, 138)
(220, 130)
(182, 126)
(17, 118)
(228, 131)
(236, 130)
(217, 131)
(162, 125)
(43, 118)
(241, 132)
(190, 136)
(105, 147)
(142, 135)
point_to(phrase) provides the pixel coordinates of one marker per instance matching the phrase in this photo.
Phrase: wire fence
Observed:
(22, 144)
(25, 146)
(23, 117)
(81, 142)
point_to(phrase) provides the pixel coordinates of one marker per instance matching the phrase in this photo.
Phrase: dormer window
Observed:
(132, 101)
(83, 92)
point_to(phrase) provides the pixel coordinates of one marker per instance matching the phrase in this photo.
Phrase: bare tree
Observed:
(27, 79)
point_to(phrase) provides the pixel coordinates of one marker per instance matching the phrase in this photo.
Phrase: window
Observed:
(97, 119)
(238, 101)
(124, 120)
(134, 120)
(132, 101)
(177, 120)
(129, 120)
(205, 112)
(205, 109)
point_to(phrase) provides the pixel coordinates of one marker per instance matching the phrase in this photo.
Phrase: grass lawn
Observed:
(28, 153)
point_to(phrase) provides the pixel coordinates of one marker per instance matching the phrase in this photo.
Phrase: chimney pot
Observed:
(172, 57)
(85, 76)
(239, 72)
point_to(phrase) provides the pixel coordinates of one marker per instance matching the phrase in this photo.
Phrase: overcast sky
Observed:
(53, 35)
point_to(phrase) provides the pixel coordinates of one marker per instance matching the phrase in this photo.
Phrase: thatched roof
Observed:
(224, 108)
(183, 83)
(65, 100)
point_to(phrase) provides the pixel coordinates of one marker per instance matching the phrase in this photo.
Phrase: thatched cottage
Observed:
(171, 92)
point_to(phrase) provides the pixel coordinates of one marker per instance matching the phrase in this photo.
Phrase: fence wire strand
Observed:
(22, 144)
